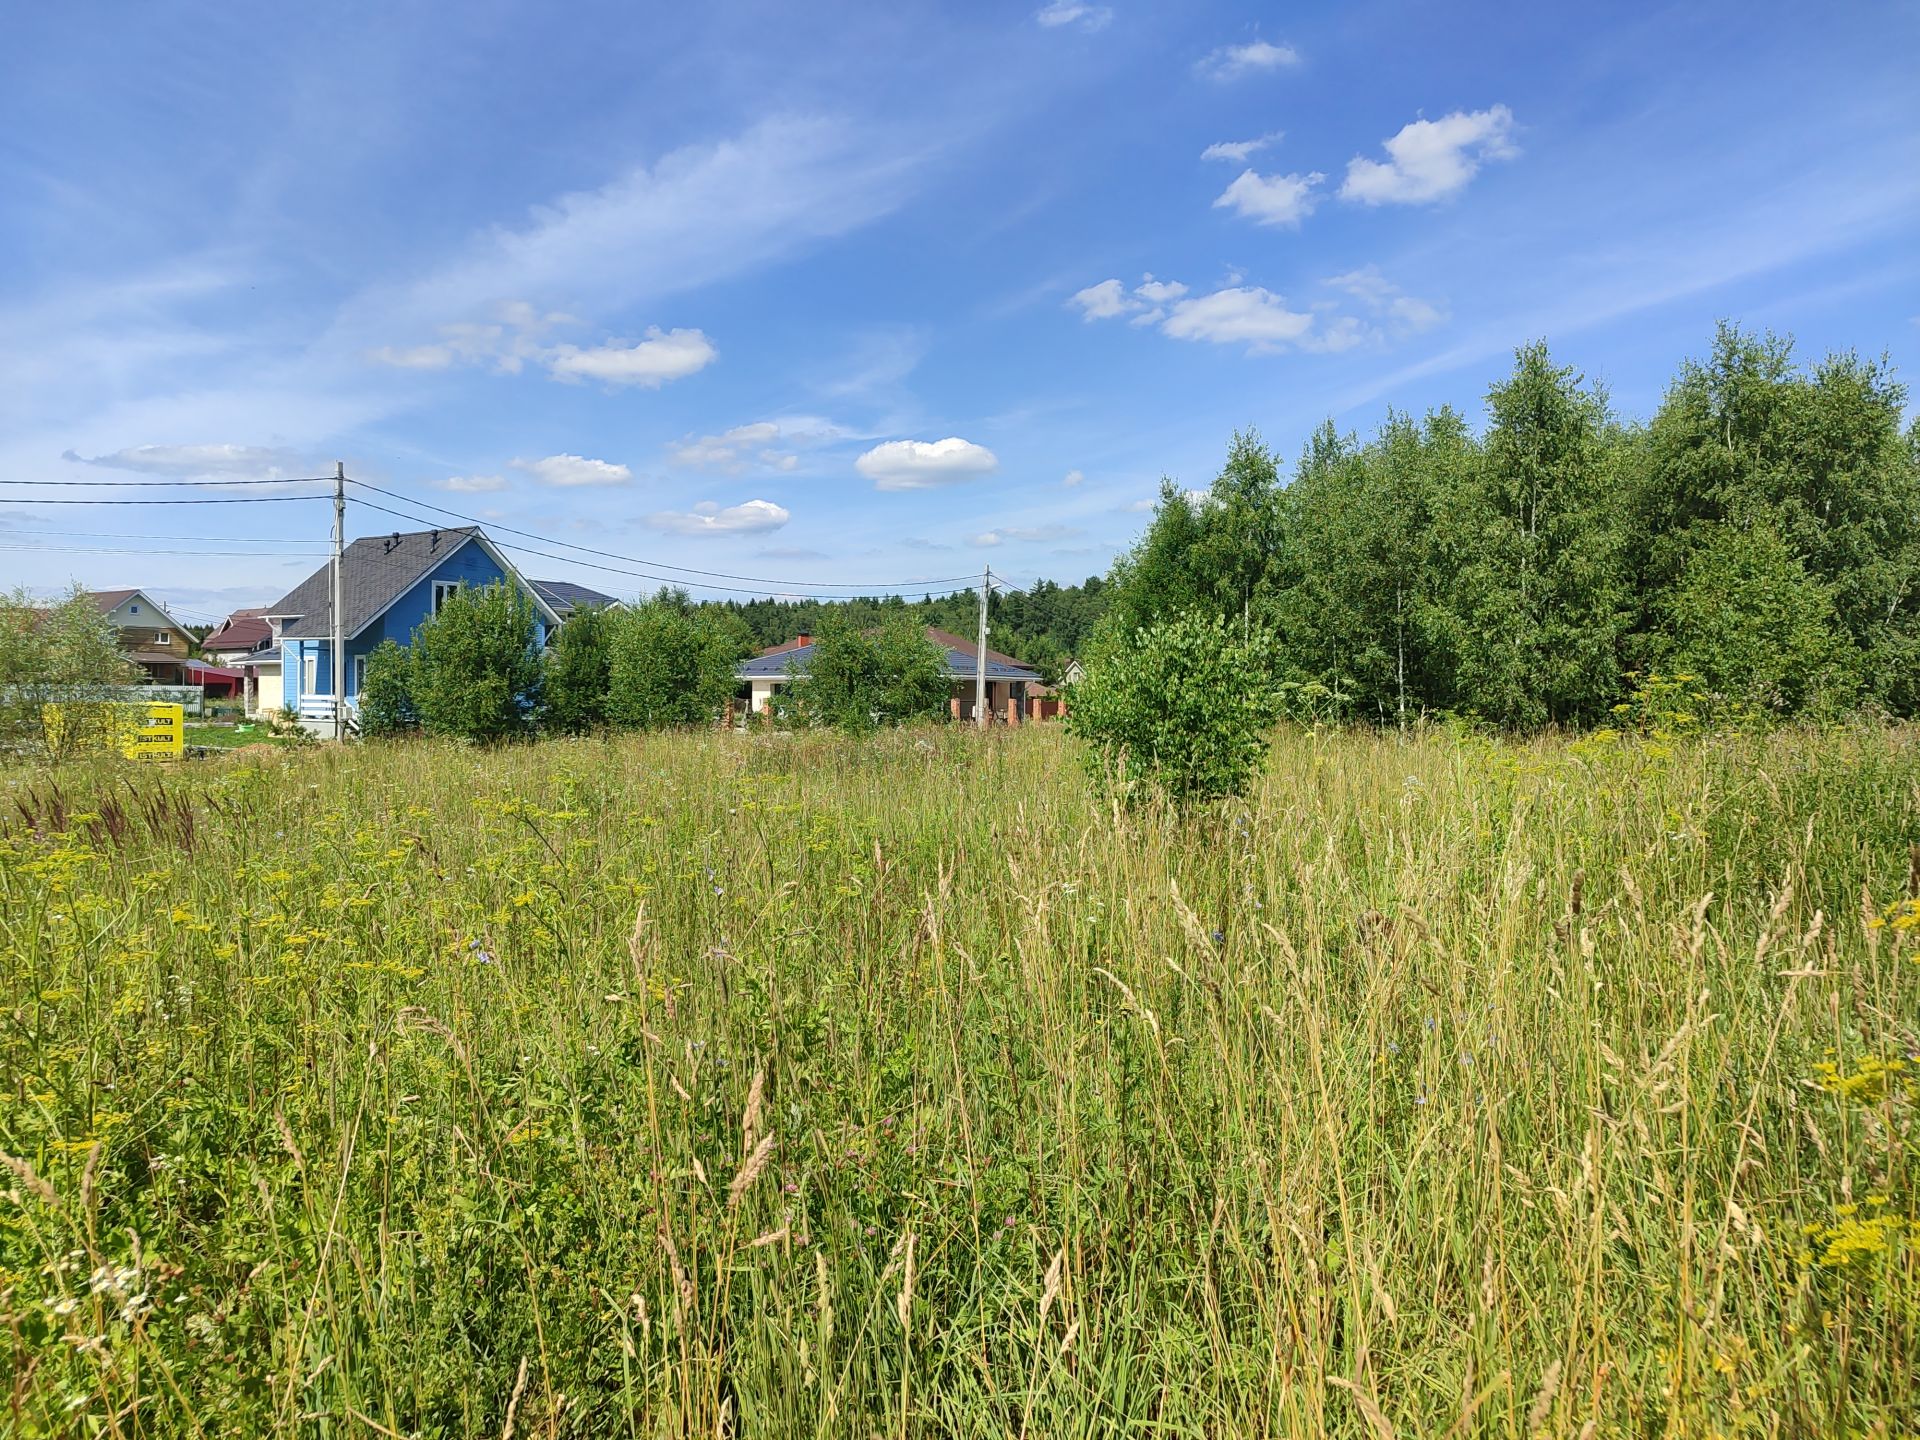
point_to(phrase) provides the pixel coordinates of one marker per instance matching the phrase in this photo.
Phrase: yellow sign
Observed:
(153, 732)
(140, 731)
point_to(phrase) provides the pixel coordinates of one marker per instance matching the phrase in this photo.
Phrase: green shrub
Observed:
(579, 672)
(668, 666)
(1184, 705)
(857, 679)
(386, 692)
(476, 668)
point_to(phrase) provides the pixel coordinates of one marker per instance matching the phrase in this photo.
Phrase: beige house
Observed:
(1007, 678)
(153, 639)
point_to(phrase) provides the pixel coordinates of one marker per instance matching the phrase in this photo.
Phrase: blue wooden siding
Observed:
(469, 565)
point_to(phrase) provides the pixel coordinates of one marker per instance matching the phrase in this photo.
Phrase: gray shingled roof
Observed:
(374, 572)
(564, 595)
(959, 658)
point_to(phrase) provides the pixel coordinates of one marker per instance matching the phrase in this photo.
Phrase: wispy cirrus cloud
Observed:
(1073, 12)
(1240, 151)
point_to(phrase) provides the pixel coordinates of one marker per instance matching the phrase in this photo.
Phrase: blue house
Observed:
(389, 584)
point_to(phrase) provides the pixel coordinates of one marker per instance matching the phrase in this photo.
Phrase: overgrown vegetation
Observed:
(796, 1085)
(64, 654)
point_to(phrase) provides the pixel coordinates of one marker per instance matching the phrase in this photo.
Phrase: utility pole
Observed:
(980, 655)
(339, 613)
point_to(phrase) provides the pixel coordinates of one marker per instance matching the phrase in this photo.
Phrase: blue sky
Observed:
(840, 294)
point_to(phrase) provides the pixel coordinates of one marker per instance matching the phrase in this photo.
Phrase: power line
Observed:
(136, 535)
(661, 564)
(140, 484)
(129, 550)
(188, 500)
(781, 594)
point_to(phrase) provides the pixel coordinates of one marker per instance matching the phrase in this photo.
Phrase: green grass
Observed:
(796, 1086)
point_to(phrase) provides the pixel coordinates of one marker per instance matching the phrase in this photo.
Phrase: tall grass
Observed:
(793, 1086)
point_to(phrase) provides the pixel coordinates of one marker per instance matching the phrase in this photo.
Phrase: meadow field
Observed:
(793, 1086)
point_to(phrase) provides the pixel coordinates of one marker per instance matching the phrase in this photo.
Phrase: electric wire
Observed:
(660, 564)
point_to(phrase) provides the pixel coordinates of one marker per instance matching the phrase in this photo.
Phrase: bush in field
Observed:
(1184, 705)
(67, 654)
(476, 665)
(579, 671)
(856, 678)
(386, 693)
(668, 666)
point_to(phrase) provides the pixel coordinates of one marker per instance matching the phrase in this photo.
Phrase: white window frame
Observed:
(359, 674)
(442, 589)
(309, 672)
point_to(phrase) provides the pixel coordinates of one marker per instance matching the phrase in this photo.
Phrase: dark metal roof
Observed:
(564, 595)
(374, 572)
(959, 657)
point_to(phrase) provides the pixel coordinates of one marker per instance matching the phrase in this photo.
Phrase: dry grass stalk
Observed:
(513, 1402)
(751, 1169)
(30, 1179)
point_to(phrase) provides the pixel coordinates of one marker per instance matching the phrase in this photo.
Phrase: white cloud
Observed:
(1283, 200)
(473, 484)
(1159, 292)
(1400, 313)
(754, 517)
(923, 464)
(1023, 534)
(1231, 62)
(699, 214)
(1239, 315)
(1102, 301)
(1431, 159)
(762, 443)
(1074, 477)
(1073, 12)
(1239, 152)
(662, 356)
(192, 462)
(568, 471)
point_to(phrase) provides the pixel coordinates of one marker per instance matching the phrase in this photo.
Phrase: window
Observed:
(442, 592)
(133, 609)
(359, 674)
(310, 673)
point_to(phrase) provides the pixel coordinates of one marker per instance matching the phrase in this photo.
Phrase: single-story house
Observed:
(216, 682)
(263, 688)
(1007, 678)
(389, 584)
(153, 639)
(1049, 702)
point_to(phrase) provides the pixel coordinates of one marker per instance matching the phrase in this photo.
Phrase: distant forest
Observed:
(1760, 534)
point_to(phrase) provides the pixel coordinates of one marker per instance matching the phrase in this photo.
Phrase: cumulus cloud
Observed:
(1238, 152)
(1231, 62)
(1073, 12)
(570, 471)
(664, 355)
(192, 462)
(473, 484)
(1074, 477)
(1429, 160)
(514, 333)
(1023, 534)
(1102, 301)
(923, 464)
(1241, 314)
(764, 443)
(754, 517)
(1282, 200)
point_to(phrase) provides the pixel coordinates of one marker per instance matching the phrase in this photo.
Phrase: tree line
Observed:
(476, 670)
(1758, 534)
